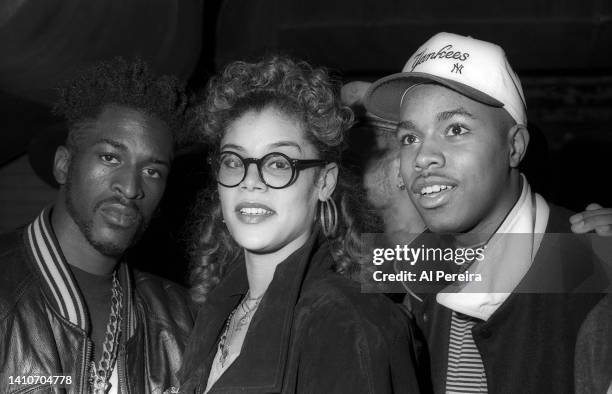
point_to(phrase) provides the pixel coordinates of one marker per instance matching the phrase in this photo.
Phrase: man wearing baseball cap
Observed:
(462, 127)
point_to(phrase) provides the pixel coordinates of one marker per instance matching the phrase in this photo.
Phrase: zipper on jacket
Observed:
(123, 388)
(85, 370)
(122, 353)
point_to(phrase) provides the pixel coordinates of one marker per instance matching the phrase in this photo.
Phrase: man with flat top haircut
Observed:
(462, 128)
(71, 310)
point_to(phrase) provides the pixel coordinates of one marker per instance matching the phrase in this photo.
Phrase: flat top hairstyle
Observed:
(307, 95)
(120, 82)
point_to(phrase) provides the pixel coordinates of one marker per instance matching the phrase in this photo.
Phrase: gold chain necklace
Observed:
(99, 376)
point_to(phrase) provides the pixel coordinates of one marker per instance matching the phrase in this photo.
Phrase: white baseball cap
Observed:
(474, 68)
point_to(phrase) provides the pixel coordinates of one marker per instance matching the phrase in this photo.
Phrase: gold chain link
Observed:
(100, 376)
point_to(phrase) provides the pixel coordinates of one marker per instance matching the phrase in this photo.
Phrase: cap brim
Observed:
(383, 97)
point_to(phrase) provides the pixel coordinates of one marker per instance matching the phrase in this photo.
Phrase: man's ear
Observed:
(519, 140)
(61, 164)
(327, 181)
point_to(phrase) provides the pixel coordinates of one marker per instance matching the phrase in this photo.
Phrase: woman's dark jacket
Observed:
(314, 332)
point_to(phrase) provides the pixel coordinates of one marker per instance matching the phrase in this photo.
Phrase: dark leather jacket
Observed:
(44, 325)
(314, 332)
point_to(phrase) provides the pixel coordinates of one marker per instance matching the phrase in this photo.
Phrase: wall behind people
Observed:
(22, 194)
(566, 69)
(163, 248)
(43, 43)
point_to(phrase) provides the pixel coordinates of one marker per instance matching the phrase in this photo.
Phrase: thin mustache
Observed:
(118, 200)
(430, 175)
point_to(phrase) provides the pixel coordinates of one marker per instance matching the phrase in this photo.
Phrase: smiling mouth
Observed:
(432, 195)
(434, 190)
(255, 211)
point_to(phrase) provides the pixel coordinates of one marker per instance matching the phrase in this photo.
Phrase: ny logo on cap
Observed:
(457, 68)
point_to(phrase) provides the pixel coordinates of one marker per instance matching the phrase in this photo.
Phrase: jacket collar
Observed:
(58, 282)
(262, 360)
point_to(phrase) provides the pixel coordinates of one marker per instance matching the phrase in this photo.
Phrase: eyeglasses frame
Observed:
(296, 166)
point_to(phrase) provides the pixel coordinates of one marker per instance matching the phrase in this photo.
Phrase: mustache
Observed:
(131, 205)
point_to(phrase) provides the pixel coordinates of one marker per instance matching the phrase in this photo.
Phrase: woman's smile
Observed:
(253, 212)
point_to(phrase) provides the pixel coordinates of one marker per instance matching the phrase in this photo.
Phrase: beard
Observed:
(85, 224)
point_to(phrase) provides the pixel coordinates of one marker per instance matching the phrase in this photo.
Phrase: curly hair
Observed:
(123, 83)
(307, 95)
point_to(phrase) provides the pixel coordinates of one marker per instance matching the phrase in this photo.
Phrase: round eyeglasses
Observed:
(275, 169)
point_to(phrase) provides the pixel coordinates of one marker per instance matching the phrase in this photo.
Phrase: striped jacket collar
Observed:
(59, 283)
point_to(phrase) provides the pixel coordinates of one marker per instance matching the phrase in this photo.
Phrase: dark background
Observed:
(562, 50)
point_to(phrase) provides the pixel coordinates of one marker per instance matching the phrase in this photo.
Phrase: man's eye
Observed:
(152, 173)
(108, 158)
(456, 129)
(408, 139)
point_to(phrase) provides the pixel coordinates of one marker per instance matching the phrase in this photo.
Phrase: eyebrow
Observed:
(160, 162)
(274, 145)
(113, 143)
(449, 114)
(286, 143)
(124, 148)
(406, 125)
(231, 146)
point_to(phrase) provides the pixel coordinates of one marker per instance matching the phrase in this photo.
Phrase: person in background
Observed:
(372, 142)
(277, 242)
(70, 306)
(594, 351)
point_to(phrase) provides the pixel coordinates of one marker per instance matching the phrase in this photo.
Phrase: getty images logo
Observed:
(446, 52)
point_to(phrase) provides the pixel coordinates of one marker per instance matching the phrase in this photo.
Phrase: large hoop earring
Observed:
(329, 217)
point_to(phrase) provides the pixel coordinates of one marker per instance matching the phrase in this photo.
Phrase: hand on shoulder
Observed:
(594, 219)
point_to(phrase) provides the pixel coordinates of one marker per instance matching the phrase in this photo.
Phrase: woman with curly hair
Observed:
(278, 239)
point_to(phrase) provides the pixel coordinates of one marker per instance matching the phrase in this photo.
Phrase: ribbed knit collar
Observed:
(59, 284)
